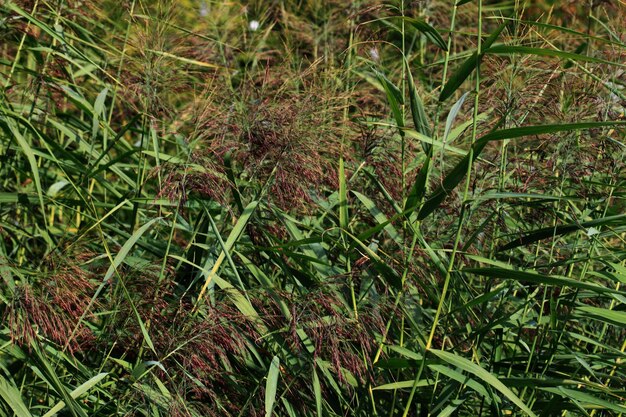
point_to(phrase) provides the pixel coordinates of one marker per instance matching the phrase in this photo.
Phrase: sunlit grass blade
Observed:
(614, 317)
(271, 385)
(12, 397)
(228, 246)
(483, 375)
(79, 391)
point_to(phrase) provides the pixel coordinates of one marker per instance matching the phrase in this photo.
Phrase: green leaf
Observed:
(394, 97)
(550, 232)
(343, 196)
(389, 273)
(536, 278)
(586, 400)
(236, 297)
(403, 385)
(12, 397)
(80, 390)
(98, 110)
(527, 50)
(241, 224)
(430, 32)
(417, 109)
(317, 389)
(454, 177)
(518, 132)
(483, 375)
(462, 379)
(418, 190)
(467, 67)
(30, 156)
(127, 247)
(271, 385)
(406, 352)
(241, 302)
(454, 111)
(617, 318)
(47, 372)
(379, 216)
(117, 261)
(56, 188)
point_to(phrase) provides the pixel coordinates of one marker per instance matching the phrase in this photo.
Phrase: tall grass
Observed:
(298, 208)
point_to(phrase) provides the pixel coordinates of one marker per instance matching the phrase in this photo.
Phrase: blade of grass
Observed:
(430, 32)
(12, 397)
(527, 50)
(454, 177)
(80, 390)
(394, 97)
(228, 246)
(468, 66)
(551, 232)
(271, 385)
(525, 276)
(483, 375)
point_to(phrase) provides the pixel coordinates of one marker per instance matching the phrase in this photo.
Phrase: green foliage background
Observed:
(312, 208)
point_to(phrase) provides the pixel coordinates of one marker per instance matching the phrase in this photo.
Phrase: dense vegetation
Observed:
(312, 208)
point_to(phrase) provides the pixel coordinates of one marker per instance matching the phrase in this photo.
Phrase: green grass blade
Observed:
(379, 216)
(467, 67)
(430, 32)
(418, 190)
(461, 379)
(389, 273)
(550, 232)
(271, 385)
(456, 175)
(127, 247)
(317, 390)
(454, 111)
(614, 317)
(587, 401)
(80, 390)
(483, 375)
(343, 196)
(535, 278)
(113, 268)
(228, 246)
(417, 109)
(527, 50)
(30, 156)
(402, 385)
(394, 97)
(12, 397)
(49, 374)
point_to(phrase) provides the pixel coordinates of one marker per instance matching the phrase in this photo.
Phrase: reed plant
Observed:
(312, 208)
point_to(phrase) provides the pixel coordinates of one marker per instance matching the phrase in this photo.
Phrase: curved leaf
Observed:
(430, 32)
(484, 375)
